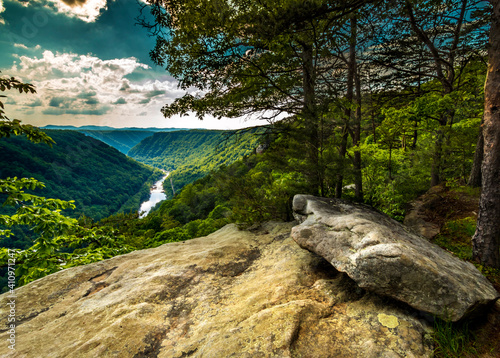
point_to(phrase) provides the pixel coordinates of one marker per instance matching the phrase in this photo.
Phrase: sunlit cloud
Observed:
(73, 84)
(85, 10)
(24, 47)
(2, 9)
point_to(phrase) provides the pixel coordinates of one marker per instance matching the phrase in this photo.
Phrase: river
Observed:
(157, 195)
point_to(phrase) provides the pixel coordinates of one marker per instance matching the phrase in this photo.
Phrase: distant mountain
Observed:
(98, 177)
(106, 128)
(192, 154)
(122, 139)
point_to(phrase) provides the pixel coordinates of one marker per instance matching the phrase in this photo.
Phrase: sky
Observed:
(89, 62)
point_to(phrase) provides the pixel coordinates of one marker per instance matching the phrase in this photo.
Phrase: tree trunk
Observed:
(358, 177)
(342, 152)
(475, 173)
(415, 136)
(485, 242)
(436, 158)
(311, 121)
(351, 68)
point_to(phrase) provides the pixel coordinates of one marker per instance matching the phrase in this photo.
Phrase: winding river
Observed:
(157, 195)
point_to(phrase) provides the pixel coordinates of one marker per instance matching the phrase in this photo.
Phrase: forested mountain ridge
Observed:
(122, 139)
(192, 154)
(106, 128)
(100, 179)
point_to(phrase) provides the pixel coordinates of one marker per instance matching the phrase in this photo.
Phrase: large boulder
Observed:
(384, 257)
(231, 294)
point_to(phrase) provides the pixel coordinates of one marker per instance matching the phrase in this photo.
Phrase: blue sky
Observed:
(90, 65)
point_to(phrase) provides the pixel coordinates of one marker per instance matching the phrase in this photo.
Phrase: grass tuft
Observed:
(453, 340)
(455, 236)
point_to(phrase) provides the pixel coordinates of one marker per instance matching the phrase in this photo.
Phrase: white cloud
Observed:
(78, 89)
(2, 9)
(85, 10)
(72, 84)
(24, 47)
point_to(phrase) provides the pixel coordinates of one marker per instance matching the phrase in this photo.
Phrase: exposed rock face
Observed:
(383, 256)
(431, 210)
(231, 294)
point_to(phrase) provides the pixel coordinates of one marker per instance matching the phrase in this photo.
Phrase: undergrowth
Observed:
(455, 236)
(453, 340)
(459, 340)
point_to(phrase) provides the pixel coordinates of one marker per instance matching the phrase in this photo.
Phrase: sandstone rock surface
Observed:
(383, 256)
(231, 294)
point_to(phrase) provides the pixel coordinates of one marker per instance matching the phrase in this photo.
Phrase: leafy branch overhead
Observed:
(14, 127)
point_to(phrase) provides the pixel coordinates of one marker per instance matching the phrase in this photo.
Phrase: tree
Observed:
(264, 58)
(486, 240)
(434, 40)
(475, 173)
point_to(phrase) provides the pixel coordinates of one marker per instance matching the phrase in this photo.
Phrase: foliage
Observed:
(392, 178)
(14, 127)
(245, 57)
(44, 215)
(45, 220)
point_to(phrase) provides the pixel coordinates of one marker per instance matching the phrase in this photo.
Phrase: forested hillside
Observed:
(190, 155)
(100, 179)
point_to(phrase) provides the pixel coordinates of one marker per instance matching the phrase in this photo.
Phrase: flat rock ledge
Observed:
(231, 294)
(383, 256)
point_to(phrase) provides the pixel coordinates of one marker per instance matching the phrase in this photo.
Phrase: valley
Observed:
(122, 139)
(189, 155)
(101, 180)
